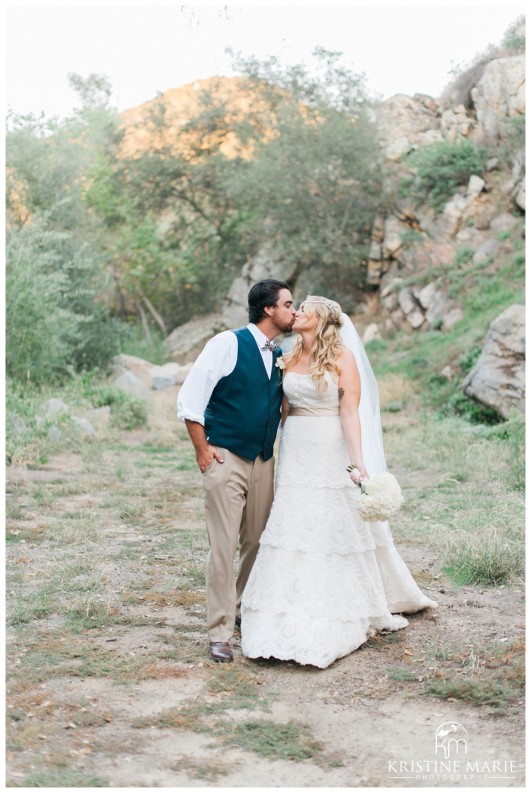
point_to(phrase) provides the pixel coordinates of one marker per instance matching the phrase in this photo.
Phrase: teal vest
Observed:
(243, 413)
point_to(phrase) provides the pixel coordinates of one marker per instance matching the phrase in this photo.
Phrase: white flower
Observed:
(379, 498)
(280, 363)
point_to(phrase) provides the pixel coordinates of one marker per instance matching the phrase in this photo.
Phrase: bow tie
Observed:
(270, 345)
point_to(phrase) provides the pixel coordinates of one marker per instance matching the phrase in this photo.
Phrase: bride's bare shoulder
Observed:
(345, 357)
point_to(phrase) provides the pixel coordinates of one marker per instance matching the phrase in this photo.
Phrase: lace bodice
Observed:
(301, 391)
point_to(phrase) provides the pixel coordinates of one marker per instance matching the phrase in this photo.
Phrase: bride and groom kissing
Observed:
(314, 580)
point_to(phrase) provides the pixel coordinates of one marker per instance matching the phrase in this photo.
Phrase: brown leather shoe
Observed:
(220, 651)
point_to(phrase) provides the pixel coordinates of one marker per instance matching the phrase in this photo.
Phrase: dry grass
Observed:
(395, 389)
(106, 592)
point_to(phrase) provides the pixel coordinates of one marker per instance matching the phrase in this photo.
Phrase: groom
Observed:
(231, 402)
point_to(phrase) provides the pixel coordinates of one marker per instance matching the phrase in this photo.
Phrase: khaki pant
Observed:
(238, 498)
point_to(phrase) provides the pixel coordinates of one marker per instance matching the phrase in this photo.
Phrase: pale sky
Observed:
(148, 48)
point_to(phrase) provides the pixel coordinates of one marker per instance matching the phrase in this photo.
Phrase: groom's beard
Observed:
(286, 327)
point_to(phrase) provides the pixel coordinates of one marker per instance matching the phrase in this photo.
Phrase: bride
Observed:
(323, 580)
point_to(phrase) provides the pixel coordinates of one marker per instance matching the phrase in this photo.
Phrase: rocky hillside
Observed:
(411, 239)
(423, 260)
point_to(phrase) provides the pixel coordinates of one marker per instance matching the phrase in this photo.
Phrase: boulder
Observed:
(503, 222)
(486, 251)
(470, 236)
(54, 408)
(410, 307)
(452, 317)
(83, 425)
(54, 434)
(456, 124)
(393, 241)
(164, 376)
(373, 273)
(404, 120)
(498, 377)
(130, 384)
(452, 216)
(438, 309)
(186, 342)
(426, 295)
(499, 95)
(131, 363)
(266, 264)
(375, 251)
(476, 185)
(371, 333)
(99, 417)
(519, 195)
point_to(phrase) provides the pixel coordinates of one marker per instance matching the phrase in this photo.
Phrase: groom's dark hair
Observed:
(262, 295)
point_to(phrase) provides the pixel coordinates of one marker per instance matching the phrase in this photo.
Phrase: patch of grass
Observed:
(29, 608)
(291, 741)
(198, 717)
(42, 495)
(489, 557)
(237, 686)
(386, 637)
(209, 770)
(27, 534)
(492, 676)
(131, 512)
(402, 675)
(62, 778)
(65, 531)
(494, 695)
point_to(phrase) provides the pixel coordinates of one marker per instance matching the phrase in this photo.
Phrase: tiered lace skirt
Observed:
(323, 581)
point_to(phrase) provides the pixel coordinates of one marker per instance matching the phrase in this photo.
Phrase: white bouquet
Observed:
(379, 498)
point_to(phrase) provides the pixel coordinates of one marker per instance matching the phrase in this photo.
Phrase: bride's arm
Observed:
(285, 404)
(285, 409)
(349, 398)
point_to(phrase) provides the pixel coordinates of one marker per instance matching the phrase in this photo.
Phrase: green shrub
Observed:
(512, 139)
(41, 331)
(54, 324)
(514, 37)
(463, 256)
(460, 405)
(24, 438)
(135, 342)
(513, 431)
(492, 558)
(127, 412)
(440, 168)
(468, 360)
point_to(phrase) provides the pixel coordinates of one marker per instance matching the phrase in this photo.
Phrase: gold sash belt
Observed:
(313, 411)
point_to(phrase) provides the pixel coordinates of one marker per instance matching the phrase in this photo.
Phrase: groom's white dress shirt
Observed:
(217, 360)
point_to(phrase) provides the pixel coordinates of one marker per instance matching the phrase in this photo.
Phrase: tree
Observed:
(313, 181)
(289, 158)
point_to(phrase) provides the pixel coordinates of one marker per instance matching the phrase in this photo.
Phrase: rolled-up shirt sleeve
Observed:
(217, 360)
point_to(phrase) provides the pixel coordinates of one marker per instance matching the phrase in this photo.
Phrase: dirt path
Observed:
(110, 684)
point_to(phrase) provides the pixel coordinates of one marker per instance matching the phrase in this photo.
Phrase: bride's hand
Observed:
(359, 473)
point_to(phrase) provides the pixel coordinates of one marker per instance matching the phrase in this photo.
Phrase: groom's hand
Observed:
(206, 456)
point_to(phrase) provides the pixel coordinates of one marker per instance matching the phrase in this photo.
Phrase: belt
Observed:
(313, 411)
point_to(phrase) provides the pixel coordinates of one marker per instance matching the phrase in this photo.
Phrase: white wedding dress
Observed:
(323, 580)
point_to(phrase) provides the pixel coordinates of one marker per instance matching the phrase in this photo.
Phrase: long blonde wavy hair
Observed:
(327, 344)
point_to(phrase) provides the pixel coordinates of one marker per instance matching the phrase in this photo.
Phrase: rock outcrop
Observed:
(498, 377)
(499, 96)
